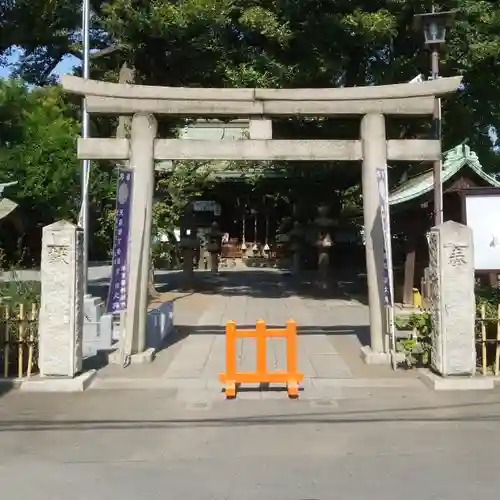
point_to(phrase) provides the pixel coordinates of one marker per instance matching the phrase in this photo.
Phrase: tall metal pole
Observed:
(438, 171)
(84, 211)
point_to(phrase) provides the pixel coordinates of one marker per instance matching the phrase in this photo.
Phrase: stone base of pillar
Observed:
(455, 383)
(214, 262)
(148, 356)
(379, 358)
(59, 384)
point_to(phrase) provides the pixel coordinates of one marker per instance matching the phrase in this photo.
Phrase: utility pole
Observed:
(438, 164)
(83, 219)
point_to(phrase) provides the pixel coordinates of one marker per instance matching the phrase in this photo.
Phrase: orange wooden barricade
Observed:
(291, 377)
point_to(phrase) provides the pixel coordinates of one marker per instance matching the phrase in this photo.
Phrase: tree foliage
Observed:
(274, 43)
(38, 133)
(39, 150)
(174, 190)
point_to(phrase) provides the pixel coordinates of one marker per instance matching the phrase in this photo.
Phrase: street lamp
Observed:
(434, 25)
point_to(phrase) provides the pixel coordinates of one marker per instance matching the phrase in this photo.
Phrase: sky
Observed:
(65, 66)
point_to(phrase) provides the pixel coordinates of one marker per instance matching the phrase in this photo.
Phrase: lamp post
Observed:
(434, 26)
(83, 219)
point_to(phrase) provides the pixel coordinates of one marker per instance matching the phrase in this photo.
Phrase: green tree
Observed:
(38, 150)
(297, 43)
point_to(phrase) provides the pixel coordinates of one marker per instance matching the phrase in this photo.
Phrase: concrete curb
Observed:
(215, 386)
(368, 383)
(438, 383)
(76, 384)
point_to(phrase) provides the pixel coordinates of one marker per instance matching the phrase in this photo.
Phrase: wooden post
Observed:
(497, 346)
(20, 341)
(409, 271)
(31, 339)
(483, 340)
(6, 350)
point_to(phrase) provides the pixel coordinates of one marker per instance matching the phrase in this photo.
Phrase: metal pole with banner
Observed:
(117, 295)
(383, 192)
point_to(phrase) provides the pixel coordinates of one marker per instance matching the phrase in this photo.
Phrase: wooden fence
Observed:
(487, 331)
(18, 340)
(488, 341)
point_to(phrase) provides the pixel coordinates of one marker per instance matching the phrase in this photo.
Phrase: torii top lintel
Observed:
(402, 98)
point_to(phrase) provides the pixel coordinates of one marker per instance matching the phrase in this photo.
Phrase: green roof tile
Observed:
(453, 161)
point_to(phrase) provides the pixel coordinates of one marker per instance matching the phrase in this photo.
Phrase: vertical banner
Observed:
(117, 295)
(383, 194)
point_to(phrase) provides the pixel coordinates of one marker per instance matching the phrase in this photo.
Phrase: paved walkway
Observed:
(331, 326)
(248, 297)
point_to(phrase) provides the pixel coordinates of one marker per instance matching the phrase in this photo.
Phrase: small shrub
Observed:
(417, 348)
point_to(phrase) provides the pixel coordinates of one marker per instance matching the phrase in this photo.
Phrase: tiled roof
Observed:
(453, 161)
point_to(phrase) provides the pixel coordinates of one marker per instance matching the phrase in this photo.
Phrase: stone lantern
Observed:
(324, 243)
(296, 239)
(189, 243)
(255, 246)
(214, 245)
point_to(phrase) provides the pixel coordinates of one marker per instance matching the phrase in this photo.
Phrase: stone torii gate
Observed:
(261, 106)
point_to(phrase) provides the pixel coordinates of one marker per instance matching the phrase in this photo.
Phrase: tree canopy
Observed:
(226, 43)
(272, 43)
(38, 133)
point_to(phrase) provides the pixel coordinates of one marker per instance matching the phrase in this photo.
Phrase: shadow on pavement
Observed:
(362, 332)
(405, 415)
(6, 386)
(266, 283)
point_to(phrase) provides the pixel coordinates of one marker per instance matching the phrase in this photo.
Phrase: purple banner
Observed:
(117, 295)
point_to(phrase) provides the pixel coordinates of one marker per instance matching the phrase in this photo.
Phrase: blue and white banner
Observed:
(117, 295)
(383, 193)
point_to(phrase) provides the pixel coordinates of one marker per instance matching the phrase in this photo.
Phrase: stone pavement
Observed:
(331, 331)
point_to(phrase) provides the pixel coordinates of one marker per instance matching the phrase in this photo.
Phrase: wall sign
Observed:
(482, 217)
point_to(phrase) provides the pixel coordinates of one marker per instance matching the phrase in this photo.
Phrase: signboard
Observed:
(207, 206)
(117, 295)
(482, 217)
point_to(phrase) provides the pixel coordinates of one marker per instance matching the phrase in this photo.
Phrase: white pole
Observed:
(84, 210)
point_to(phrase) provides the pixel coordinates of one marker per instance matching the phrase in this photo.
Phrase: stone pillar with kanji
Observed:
(452, 301)
(61, 308)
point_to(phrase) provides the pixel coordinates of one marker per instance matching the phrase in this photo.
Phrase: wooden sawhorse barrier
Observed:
(291, 377)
